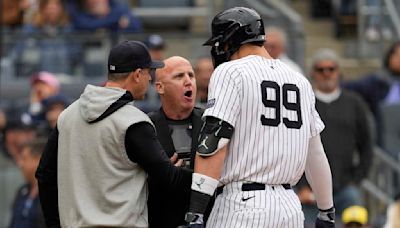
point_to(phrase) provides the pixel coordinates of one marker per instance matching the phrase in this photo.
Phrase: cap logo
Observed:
(112, 67)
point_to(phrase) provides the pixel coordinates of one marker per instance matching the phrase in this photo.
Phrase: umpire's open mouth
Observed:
(188, 94)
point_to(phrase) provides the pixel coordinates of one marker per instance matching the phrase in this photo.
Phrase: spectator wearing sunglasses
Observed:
(347, 134)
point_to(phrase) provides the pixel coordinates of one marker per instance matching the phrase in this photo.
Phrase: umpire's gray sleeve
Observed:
(318, 173)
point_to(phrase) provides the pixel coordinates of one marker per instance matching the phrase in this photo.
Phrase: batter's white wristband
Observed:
(204, 184)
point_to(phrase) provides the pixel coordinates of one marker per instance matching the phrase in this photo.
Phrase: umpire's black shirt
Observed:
(167, 207)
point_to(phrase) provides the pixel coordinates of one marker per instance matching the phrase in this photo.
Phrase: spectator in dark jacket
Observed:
(26, 209)
(92, 15)
(380, 87)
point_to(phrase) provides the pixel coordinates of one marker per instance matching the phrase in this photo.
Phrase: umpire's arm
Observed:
(46, 175)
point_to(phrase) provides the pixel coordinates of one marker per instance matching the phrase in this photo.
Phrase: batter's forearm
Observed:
(211, 166)
(207, 171)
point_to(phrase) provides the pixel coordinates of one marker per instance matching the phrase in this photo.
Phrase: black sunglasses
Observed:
(325, 69)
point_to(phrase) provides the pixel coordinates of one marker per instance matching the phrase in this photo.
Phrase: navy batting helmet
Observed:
(231, 29)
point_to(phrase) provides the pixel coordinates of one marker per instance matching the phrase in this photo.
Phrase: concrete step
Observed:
(319, 33)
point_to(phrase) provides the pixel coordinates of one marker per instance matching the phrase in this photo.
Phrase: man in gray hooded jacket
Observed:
(94, 168)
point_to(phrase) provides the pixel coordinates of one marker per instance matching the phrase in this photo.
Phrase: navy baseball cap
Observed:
(129, 56)
(155, 42)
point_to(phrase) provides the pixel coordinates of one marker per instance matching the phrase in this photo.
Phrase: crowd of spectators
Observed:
(24, 130)
(55, 23)
(80, 15)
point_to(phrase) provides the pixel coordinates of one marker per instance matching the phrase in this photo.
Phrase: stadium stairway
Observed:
(319, 33)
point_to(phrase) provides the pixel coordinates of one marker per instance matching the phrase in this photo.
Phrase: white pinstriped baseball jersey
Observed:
(272, 109)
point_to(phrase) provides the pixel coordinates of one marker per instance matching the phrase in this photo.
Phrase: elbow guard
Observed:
(214, 135)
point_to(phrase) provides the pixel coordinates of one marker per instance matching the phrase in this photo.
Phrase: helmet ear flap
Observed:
(218, 56)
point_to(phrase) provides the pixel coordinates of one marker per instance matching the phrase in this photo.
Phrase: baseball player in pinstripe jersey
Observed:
(261, 133)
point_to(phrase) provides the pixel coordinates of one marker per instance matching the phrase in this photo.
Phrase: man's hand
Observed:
(326, 218)
(174, 159)
(306, 196)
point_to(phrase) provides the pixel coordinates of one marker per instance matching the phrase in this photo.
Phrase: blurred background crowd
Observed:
(348, 49)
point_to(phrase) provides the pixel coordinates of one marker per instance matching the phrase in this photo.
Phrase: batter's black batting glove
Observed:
(326, 218)
(194, 220)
